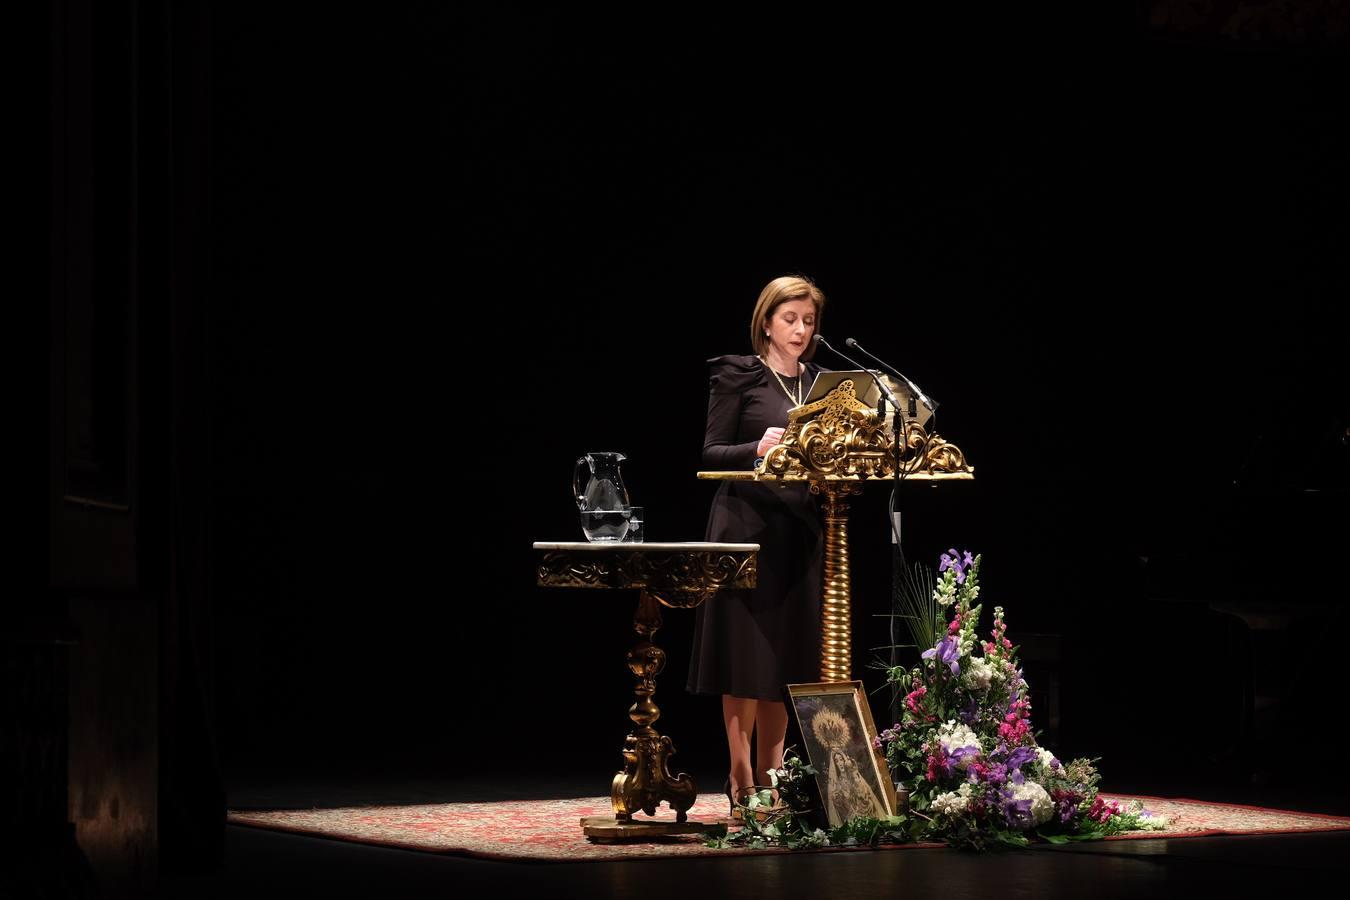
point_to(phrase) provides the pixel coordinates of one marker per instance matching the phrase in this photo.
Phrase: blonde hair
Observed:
(775, 294)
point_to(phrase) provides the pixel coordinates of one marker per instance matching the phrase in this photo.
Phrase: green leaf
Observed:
(1088, 836)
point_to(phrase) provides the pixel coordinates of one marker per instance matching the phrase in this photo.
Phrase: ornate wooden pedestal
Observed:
(680, 576)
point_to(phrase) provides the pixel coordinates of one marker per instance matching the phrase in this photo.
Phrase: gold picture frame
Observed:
(837, 733)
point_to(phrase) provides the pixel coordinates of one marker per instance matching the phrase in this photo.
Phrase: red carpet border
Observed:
(549, 830)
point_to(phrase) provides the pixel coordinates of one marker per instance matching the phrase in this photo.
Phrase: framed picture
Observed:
(837, 732)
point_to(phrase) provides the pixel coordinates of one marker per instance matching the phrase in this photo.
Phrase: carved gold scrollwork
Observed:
(821, 448)
(811, 451)
(944, 457)
(837, 435)
(909, 448)
(646, 780)
(679, 579)
(922, 453)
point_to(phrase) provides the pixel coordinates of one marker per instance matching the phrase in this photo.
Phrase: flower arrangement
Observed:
(964, 746)
(964, 749)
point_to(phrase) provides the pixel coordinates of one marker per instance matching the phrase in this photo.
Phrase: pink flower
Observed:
(1014, 732)
(1102, 811)
(939, 764)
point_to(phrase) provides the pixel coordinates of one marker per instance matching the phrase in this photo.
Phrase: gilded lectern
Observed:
(838, 442)
(678, 575)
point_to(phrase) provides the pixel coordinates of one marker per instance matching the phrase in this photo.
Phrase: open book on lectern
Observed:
(866, 389)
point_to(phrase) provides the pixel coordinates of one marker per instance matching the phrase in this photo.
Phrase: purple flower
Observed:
(947, 651)
(1021, 756)
(953, 559)
(961, 753)
(1018, 813)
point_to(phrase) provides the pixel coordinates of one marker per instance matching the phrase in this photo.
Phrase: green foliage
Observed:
(916, 606)
(786, 823)
(866, 831)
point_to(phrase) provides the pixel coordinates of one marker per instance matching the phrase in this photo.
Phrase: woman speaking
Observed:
(748, 644)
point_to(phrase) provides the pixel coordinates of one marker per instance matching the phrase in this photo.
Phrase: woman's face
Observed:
(791, 327)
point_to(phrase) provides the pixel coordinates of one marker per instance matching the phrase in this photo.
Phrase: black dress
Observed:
(749, 643)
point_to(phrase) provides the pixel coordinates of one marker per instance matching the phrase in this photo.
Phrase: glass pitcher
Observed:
(604, 502)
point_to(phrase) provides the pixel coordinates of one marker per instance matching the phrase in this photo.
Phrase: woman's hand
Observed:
(770, 440)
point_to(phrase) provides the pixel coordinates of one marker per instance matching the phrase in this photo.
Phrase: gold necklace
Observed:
(797, 400)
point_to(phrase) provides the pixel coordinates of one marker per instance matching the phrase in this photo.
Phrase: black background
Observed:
(451, 251)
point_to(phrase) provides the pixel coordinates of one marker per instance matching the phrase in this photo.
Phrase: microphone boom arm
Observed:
(923, 398)
(885, 390)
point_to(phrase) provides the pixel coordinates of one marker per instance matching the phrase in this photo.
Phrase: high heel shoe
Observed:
(735, 812)
(760, 813)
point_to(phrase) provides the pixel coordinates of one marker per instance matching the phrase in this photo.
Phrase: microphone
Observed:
(923, 398)
(890, 396)
(820, 339)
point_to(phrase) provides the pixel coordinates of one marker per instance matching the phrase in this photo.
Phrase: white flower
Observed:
(951, 803)
(1042, 807)
(1048, 760)
(945, 592)
(1147, 820)
(977, 674)
(953, 736)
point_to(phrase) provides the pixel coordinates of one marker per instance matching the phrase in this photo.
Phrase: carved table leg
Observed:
(645, 780)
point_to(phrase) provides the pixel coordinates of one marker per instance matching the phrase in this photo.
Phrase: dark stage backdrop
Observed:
(452, 252)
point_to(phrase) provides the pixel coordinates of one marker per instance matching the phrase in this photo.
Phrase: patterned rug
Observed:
(549, 830)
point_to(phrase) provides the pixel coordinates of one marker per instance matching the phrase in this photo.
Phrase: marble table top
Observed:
(646, 546)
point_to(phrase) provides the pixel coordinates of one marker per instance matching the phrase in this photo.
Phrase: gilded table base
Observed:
(607, 830)
(645, 780)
